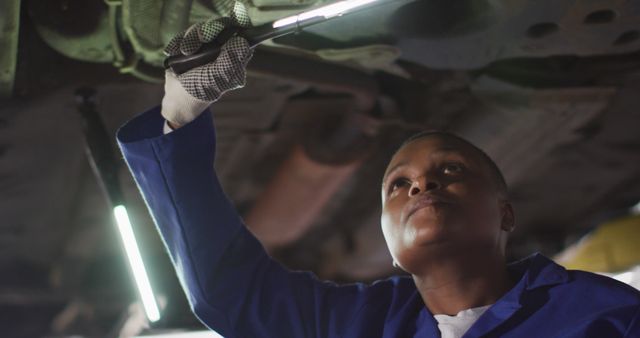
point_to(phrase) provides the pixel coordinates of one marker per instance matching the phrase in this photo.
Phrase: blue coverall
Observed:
(236, 289)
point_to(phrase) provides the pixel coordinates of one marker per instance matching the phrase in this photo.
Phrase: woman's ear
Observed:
(508, 217)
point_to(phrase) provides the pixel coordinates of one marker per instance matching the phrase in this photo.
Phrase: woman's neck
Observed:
(458, 283)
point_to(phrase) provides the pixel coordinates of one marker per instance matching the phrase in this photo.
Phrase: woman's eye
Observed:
(398, 183)
(453, 168)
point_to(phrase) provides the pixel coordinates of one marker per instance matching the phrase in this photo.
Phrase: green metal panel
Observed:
(9, 24)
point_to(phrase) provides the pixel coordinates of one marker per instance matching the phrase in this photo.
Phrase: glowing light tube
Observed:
(135, 261)
(328, 11)
(635, 209)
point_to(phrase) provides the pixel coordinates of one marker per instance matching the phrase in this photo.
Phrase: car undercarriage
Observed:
(549, 89)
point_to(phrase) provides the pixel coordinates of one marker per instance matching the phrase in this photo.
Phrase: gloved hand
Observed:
(188, 94)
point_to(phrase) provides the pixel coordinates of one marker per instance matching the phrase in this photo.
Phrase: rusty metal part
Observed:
(331, 151)
(9, 28)
(295, 197)
(340, 138)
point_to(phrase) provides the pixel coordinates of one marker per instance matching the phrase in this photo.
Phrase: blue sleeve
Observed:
(233, 286)
(634, 328)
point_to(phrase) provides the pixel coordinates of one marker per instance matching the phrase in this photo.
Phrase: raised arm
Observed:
(233, 286)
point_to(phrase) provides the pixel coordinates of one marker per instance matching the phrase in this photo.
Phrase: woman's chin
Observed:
(424, 233)
(426, 226)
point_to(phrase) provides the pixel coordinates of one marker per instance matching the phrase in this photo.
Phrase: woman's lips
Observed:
(424, 201)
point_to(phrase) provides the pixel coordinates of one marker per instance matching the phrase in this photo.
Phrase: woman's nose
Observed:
(422, 184)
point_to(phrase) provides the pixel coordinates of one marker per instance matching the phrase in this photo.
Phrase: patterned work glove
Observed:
(190, 93)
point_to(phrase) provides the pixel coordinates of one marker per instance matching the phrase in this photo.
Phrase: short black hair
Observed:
(496, 173)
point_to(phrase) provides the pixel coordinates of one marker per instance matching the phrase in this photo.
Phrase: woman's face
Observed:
(439, 198)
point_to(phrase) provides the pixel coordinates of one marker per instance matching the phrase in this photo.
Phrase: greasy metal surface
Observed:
(525, 28)
(9, 29)
(322, 75)
(540, 120)
(470, 34)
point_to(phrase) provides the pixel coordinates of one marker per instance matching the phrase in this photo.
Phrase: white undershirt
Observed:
(458, 325)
